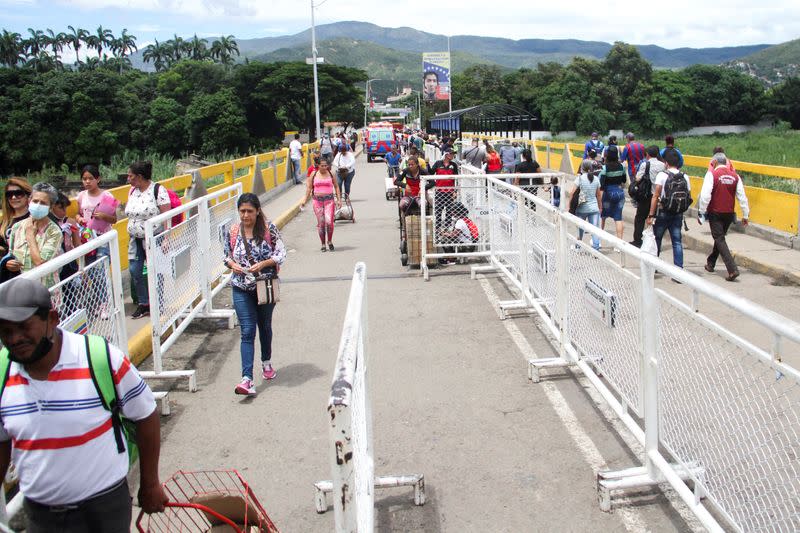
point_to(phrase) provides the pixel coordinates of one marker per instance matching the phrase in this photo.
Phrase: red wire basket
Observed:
(208, 501)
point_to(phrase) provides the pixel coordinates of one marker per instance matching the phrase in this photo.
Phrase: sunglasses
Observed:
(18, 193)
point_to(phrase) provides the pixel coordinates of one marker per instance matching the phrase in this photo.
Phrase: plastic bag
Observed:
(649, 245)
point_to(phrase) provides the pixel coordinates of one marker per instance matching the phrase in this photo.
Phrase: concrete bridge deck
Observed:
(449, 392)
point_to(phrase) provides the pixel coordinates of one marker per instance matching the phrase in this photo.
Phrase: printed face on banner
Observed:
(435, 76)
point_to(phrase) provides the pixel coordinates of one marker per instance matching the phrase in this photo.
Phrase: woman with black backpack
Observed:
(612, 179)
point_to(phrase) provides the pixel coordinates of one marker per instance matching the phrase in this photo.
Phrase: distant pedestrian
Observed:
(646, 174)
(721, 188)
(97, 209)
(67, 444)
(612, 180)
(508, 155)
(670, 200)
(669, 144)
(393, 159)
(633, 153)
(590, 197)
(475, 154)
(718, 150)
(254, 251)
(326, 148)
(612, 145)
(296, 157)
(493, 163)
(323, 189)
(594, 143)
(528, 165)
(445, 191)
(592, 156)
(345, 165)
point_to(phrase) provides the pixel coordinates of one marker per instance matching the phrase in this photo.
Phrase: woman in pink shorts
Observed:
(324, 190)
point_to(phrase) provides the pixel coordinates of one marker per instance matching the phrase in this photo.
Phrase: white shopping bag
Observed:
(649, 242)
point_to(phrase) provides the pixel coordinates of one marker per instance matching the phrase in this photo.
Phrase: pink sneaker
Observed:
(268, 372)
(246, 387)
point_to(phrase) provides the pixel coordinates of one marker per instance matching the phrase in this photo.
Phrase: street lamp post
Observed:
(419, 107)
(314, 66)
(366, 98)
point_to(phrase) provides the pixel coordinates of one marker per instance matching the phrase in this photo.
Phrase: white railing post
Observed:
(649, 352)
(154, 295)
(116, 287)
(492, 220)
(522, 247)
(204, 244)
(562, 284)
(423, 200)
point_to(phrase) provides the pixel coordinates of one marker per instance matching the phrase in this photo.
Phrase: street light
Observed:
(314, 63)
(419, 107)
(366, 98)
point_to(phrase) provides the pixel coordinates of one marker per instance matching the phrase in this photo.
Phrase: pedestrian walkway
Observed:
(449, 390)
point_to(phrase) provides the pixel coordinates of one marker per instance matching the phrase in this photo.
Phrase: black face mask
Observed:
(42, 348)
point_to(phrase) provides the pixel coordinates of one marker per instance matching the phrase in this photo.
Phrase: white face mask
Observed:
(38, 211)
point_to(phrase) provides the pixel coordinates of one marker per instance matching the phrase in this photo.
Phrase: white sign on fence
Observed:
(601, 302)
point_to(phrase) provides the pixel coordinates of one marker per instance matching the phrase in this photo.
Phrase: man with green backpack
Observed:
(74, 415)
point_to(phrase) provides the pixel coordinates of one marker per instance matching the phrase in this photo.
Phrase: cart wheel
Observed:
(404, 259)
(404, 248)
(387, 196)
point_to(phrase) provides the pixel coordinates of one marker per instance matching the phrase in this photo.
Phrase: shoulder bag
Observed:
(268, 289)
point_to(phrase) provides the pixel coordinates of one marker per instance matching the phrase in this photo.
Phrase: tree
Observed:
(76, 39)
(525, 87)
(158, 54)
(216, 123)
(56, 42)
(165, 126)
(724, 96)
(104, 38)
(123, 45)
(665, 104)
(222, 50)
(572, 104)
(35, 43)
(478, 84)
(197, 48)
(623, 70)
(785, 101)
(178, 48)
(11, 49)
(189, 78)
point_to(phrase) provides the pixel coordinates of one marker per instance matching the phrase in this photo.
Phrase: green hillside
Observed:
(380, 62)
(773, 64)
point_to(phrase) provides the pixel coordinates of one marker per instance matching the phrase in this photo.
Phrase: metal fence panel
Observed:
(731, 418)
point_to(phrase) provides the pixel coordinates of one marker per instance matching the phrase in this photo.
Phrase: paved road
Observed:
(450, 399)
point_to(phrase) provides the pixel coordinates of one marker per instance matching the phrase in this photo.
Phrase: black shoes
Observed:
(142, 310)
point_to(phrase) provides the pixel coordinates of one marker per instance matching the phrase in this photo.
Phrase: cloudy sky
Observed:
(673, 24)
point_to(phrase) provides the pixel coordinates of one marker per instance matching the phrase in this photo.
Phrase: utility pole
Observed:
(366, 98)
(450, 74)
(314, 66)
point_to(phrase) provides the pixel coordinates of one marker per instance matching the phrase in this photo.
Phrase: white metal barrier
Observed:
(185, 271)
(716, 409)
(352, 461)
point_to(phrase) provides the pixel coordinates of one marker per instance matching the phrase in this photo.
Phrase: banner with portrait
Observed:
(435, 76)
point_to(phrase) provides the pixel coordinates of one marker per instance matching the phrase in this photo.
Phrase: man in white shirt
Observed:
(662, 220)
(68, 449)
(296, 155)
(721, 188)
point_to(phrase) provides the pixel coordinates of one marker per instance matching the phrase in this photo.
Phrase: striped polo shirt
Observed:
(63, 444)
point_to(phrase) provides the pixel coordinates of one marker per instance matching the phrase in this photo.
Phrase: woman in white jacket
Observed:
(345, 165)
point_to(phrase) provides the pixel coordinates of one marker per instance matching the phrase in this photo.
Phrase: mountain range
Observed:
(771, 65)
(394, 53)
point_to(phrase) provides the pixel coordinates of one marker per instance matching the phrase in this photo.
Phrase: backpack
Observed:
(103, 379)
(473, 229)
(174, 201)
(642, 190)
(234, 233)
(676, 198)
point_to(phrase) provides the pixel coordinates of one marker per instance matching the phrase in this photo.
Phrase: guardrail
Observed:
(717, 411)
(185, 271)
(349, 411)
(775, 209)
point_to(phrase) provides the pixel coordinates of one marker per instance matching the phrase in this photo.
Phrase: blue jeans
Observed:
(594, 220)
(296, 171)
(674, 224)
(346, 181)
(251, 317)
(135, 267)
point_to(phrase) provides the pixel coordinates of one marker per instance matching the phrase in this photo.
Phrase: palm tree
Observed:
(56, 42)
(35, 44)
(75, 39)
(126, 43)
(197, 48)
(103, 37)
(91, 63)
(223, 49)
(42, 62)
(177, 48)
(158, 54)
(11, 49)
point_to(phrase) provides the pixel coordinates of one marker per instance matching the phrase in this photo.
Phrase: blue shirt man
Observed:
(593, 144)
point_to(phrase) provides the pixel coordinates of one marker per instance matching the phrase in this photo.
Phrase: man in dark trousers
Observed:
(648, 170)
(68, 449)
(445, 188)
(722, 186)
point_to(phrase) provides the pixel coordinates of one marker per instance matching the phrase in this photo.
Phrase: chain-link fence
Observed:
(89, 301)
(708, 396)
(184, 273)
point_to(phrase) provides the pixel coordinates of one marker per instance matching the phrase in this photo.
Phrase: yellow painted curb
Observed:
(140, 346)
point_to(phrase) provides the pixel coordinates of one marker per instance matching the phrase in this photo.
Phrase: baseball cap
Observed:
(594, 134)
(20, 298)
